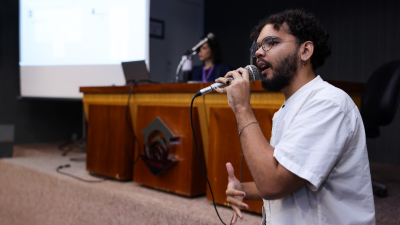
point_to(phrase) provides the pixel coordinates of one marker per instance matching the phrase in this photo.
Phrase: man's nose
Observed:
(260, 52)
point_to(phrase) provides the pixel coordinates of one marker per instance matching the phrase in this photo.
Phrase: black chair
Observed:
(379, 104)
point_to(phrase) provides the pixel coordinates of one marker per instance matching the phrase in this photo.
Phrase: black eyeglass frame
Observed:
(255, 46)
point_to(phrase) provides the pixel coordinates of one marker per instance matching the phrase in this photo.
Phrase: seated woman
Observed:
(210, 54)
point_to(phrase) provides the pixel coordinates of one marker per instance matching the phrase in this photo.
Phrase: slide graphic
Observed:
(76, 32)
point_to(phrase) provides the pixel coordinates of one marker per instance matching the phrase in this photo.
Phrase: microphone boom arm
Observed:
(183, 60)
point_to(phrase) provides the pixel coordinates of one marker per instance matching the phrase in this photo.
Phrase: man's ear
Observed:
(306, 50)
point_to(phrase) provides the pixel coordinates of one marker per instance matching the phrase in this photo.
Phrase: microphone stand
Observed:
(183, 60)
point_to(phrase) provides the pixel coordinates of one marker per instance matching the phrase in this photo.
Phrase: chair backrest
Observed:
(381, 98)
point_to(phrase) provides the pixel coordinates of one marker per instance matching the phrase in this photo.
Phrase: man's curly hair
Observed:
(305, 27)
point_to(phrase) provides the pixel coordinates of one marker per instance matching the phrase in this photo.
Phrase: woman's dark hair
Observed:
(305, 27)
(216, 53)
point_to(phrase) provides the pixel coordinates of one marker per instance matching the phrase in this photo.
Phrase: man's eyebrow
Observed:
(274, 37)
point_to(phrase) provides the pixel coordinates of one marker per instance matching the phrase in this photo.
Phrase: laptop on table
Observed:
(135, 71)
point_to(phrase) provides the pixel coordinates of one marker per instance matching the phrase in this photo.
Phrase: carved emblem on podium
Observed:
(157, 146)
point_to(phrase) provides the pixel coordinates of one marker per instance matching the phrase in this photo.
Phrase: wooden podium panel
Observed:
(110, 144)
(224, 135)
(185, 176)
(217, 126)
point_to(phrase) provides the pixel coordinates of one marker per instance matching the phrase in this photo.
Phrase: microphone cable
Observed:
(198, 157)
(131, 128)
(130, 125)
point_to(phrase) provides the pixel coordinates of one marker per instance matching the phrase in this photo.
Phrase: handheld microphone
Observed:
(254, 74)
(210, 36)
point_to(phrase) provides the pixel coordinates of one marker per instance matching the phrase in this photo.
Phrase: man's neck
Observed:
(208, 63)
(304, 76)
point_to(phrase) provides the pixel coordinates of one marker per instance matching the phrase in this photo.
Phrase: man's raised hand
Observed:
(238, 91)
(235, 194)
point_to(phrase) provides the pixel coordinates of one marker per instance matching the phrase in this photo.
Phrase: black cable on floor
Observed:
(78, 178)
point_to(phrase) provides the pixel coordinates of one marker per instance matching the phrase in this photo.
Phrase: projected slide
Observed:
(66, 44)
(75, 32)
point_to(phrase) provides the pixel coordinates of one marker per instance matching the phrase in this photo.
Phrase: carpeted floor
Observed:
(387, 209)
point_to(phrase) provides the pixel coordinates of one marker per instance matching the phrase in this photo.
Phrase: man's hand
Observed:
(238, 90)
(235, 194)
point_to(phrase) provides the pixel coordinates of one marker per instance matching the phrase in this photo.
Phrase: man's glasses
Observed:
(266, 44)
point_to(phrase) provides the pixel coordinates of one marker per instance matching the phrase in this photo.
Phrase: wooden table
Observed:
(216, 120)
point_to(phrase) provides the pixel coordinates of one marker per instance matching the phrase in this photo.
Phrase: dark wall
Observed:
(35, 120)
(363, 35)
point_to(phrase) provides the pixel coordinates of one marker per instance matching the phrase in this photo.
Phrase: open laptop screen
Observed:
(135, 71)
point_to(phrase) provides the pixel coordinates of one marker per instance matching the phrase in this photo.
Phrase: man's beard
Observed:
(284, 71)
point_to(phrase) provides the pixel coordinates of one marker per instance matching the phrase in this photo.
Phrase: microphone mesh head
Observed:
(254, 73)
(210, 36)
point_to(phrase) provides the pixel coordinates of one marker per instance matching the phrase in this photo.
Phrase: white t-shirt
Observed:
(318, 134)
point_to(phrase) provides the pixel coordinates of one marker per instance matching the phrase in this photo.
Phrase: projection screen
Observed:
(66, 44)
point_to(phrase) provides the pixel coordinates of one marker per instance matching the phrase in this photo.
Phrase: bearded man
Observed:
(315, 168)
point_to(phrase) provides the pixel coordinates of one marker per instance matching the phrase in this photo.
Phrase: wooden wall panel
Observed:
(224, 146)
(110, 143)
(185, 177)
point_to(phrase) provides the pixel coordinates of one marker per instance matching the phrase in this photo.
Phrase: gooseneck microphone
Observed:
(210, 36)
(254, 74)
(189, 54)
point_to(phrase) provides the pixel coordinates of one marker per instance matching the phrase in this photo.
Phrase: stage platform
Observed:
(33, 192)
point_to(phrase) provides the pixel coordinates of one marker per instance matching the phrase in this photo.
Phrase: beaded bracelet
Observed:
(246, 126)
